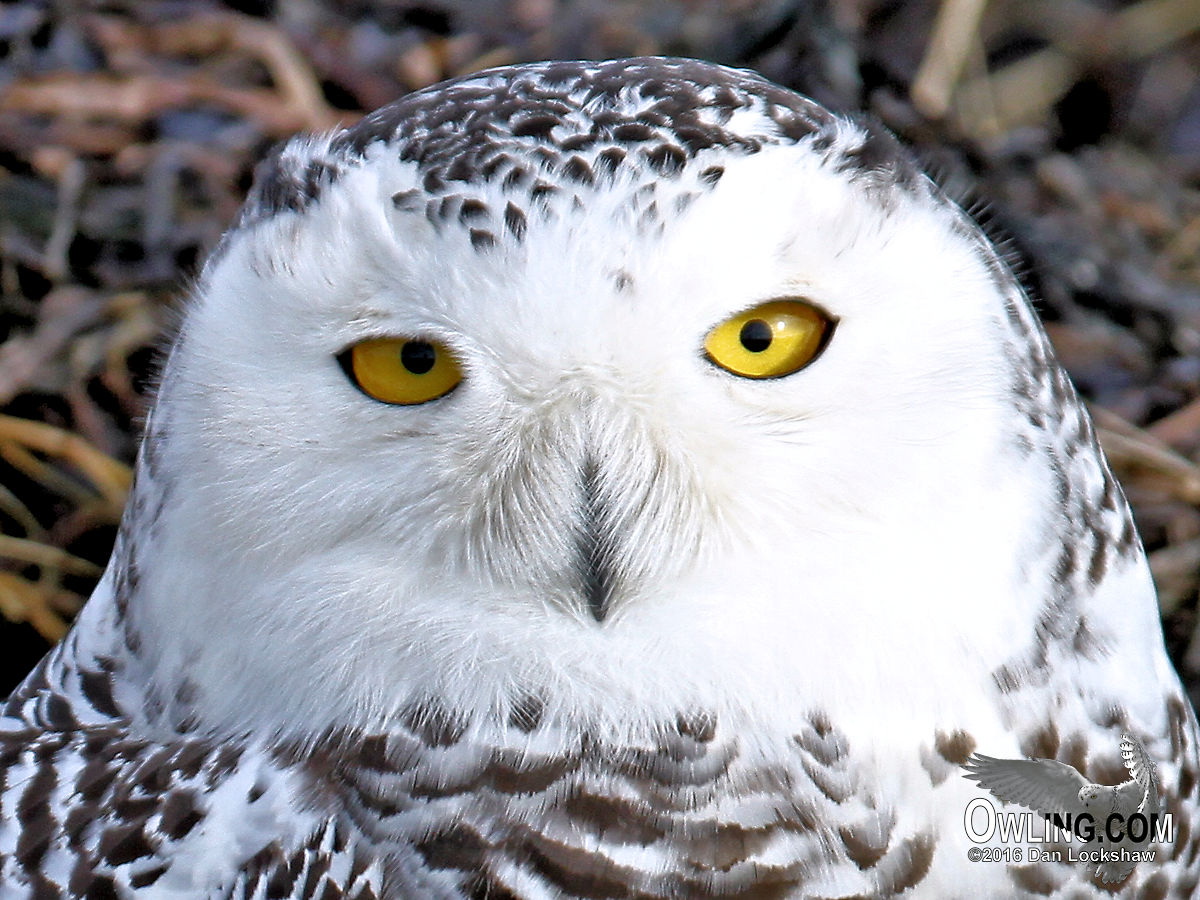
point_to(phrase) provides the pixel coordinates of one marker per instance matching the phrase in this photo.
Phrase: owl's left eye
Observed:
(401, 370)
(769, 340)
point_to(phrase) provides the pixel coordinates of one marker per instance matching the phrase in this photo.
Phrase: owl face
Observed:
(625, 438)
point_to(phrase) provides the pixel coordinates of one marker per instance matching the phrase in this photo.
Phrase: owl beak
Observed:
(594, 550)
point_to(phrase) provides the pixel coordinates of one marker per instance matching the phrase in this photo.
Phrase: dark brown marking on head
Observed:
(123, 844)
(57, 713)
(147, 877)
(448, 206)
(468, 130)
(880, 157)
(541, 190)
(226, 760)
(433, 182)
(37, 831)
(516, 176)
(495, 163)
(407, 201)
(189, 758)
(472, 209)
(608, 161)
(667, 159)
(95, 777)
(180, 814)
(534, 126)
(577, 142)
(186, 692)
(86, 883)
(291, 186)
(462, 169)
(515, 221)
(35, 684)
(633, 133)
(433, 213)
(578, 170)
(134, 809)
(482, 239)
(80, 819)
(154, 774)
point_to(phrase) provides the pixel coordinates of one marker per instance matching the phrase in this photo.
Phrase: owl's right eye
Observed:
(402, 371)
(770, 340)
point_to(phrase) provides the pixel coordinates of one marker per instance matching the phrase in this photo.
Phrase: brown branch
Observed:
(110, 477)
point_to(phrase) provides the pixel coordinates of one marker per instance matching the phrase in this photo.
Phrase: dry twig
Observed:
(954, 33)
(1130, 447)
(20, 436)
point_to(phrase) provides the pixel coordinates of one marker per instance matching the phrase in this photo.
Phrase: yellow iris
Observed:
(403, 371)
(769, 341)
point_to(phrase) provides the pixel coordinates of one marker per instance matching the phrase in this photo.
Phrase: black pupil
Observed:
(418, 357)
(756, 336)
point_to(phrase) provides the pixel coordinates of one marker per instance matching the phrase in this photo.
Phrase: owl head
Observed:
(642, 384)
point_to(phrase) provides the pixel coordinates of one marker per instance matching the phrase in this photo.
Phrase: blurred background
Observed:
(129, 132)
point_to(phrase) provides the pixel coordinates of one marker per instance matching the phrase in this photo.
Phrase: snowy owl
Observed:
(595, 479)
